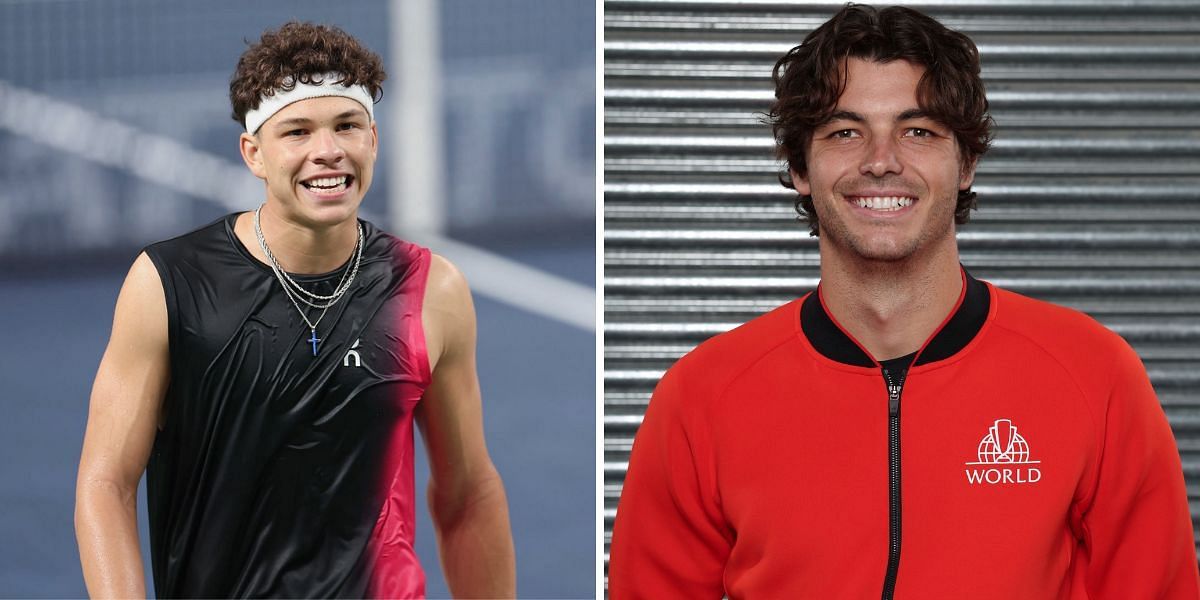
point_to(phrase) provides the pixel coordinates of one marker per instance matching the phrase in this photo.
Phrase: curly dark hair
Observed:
(810, 78)
(297, 52)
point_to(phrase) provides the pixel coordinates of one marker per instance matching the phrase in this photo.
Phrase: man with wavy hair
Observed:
(265, 371)
(906, 430)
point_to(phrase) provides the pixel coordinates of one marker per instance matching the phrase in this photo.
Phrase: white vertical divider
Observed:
(416, 196)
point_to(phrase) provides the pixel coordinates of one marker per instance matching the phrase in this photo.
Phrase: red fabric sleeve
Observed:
(670, 539)
(1137, 532)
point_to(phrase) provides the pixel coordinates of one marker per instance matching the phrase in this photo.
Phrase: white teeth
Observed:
(326, 182)
(884, 203)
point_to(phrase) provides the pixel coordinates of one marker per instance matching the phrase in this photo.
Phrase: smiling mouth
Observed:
(328, 185)
(882, 203)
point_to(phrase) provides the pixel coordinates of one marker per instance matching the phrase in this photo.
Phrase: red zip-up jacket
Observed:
(1020, 454)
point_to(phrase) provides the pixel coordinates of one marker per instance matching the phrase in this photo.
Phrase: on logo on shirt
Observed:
(353, 353)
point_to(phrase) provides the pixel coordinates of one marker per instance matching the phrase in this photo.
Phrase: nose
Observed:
(880, 157)
(326, 148)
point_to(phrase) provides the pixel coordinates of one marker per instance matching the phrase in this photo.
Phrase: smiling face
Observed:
(317, 157)
(884, 177)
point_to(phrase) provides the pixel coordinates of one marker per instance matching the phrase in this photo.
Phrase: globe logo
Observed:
(1003, 444)
(1003, 458)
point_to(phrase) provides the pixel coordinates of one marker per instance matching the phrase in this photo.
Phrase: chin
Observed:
(879, 250)
(885, 256)
(325, 214)
(334, 215)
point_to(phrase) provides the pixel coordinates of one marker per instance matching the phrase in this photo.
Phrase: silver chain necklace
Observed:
(284, 281)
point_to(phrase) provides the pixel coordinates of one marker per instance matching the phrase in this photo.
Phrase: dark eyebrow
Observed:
(356, 112)
(913, 113)
(845, 115)
(293, 121)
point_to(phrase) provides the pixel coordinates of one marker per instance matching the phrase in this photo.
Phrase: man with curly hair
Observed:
(265, 372)
(906, 430)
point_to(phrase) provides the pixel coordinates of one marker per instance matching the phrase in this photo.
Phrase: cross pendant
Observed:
(314, 339)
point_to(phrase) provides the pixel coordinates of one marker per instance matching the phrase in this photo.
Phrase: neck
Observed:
(891, 308)
(299, 248)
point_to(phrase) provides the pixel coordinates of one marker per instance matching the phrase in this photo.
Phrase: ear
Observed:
(966, 175)
(800, 183)
(252, 155)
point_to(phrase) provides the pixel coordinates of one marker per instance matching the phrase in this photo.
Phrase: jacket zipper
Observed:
(895, 385)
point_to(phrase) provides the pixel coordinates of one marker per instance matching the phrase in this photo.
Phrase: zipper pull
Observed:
(893, 399)
(894, 376)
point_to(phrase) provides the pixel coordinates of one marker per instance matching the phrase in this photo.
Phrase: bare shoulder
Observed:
(448, 314)
(139, 341)
(142, 306)
(143, 282)
(447, 286)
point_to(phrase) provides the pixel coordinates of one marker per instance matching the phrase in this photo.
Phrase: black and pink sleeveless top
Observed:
(278, 473)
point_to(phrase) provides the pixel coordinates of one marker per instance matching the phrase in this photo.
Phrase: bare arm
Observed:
(466, 496)
(122, 419)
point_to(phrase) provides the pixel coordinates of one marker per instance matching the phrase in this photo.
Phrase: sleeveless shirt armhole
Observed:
(421, 278)
(164, 277)
(171, 299)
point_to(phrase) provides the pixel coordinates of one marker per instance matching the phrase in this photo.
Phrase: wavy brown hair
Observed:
(810, 78)
(297, 52)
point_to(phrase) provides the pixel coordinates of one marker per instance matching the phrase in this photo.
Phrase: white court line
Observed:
(78, 131)
(518, 284)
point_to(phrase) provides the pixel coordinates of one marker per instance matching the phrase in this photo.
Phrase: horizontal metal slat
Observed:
(1150, 285)
(1159, 329)
(993, 72)
(991, 215)
(1063, 49)
(623, 119)
(994, 261)
(1008, 143)
(1001, 96)
(618, 307)
(1163, 237)
(1174, 8)
(618, 24)
(1131, 191)
(631, 164)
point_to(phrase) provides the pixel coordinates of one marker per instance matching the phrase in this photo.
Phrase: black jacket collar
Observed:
(835, 344)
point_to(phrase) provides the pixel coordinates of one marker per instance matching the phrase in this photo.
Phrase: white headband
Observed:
(322, 85)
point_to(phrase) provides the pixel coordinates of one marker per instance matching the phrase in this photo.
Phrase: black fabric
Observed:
(833, 343)
(962, 327)
(827, 337)
(268, 475)
(899, 364)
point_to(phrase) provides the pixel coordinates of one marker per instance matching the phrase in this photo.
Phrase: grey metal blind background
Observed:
(1089, 198)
